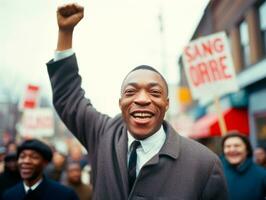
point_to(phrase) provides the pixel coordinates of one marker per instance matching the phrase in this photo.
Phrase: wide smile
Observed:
(233, 154)
(26, 170)
(142, 117)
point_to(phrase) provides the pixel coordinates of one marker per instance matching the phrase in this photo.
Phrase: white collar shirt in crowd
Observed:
(33, 187)
(149, 147)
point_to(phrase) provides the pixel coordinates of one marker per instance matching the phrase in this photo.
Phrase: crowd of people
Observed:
(244, 169)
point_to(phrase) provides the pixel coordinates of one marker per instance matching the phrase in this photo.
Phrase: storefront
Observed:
(257, 113)
(208, 126)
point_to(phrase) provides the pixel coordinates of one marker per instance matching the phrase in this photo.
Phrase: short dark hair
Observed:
(147, 67)
(242, 137)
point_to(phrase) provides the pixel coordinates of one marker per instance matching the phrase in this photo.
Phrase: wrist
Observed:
(64, 39)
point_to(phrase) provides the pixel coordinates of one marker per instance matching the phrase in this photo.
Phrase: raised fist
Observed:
(68, 16)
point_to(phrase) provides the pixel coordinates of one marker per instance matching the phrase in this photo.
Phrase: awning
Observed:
(208, 126)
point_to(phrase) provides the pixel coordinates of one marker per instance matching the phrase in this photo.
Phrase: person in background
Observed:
(260, 156)
(76, 154)
(33, 156)
(246, 180)
(56, 168)
(73, 176)
(10, 176)
(11, 147)
(2, 157)
(136, 154)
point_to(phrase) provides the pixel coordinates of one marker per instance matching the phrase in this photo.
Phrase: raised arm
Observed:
(76, 111)
(68, 16)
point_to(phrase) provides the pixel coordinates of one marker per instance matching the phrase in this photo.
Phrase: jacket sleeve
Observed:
(77, 112)
(216, 187)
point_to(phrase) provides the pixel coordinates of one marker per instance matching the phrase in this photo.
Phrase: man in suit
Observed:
(136, 154)
(33, 156)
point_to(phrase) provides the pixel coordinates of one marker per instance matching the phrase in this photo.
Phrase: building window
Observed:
(243, 28)
(262, 16)
(260, 122)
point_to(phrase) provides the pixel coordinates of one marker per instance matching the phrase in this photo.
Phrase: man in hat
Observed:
(136, 154)
(33, 156)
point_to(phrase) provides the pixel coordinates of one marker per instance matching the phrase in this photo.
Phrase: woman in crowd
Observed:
(246, 180)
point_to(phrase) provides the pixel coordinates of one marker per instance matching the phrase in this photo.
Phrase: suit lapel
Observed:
(171, 146)
(121, 152)
(20, 193)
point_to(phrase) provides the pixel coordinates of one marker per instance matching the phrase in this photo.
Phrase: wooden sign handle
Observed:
(221, 120)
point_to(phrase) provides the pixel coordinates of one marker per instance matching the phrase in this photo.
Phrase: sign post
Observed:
(221, 120)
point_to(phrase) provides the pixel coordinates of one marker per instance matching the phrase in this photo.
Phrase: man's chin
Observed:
(140, 134)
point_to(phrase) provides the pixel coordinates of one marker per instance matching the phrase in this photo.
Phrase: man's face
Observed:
(31, 165)
(235, 150)
(12, 165)
(58, 160)
(74, 173)
(260, 156)
(143, 102)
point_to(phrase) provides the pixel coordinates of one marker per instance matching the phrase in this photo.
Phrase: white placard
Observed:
(209, 68)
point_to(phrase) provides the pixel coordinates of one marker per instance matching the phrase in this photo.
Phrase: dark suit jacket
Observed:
(47, 190)
(182, 170)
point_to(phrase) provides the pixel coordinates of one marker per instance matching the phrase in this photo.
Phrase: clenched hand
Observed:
(68, 16)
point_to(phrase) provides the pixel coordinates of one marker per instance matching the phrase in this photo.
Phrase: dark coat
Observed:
(47, 190)
(246, 181)
(8, 179)
(183, 169)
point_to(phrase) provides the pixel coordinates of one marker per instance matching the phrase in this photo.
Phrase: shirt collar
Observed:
(148, 143)
(33, 187)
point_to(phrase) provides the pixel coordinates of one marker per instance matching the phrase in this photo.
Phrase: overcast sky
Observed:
(113, 37)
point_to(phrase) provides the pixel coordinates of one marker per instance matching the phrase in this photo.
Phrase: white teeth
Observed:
(142, 115)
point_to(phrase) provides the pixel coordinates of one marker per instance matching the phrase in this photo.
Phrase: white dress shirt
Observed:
(149, 147)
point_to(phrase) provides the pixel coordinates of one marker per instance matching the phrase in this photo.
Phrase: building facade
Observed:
(245, 25)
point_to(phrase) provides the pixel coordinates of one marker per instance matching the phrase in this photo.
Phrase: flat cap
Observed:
(10, 157)
(36, 145)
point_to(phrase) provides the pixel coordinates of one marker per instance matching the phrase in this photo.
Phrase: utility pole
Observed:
(162, 41)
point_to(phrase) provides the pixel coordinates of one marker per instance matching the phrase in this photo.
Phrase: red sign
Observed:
(31, 97)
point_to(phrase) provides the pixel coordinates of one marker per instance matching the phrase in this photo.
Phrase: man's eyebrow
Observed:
(135, 84)
(153, 84)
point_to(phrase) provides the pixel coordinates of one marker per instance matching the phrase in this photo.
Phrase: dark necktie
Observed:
(28, 194)
(132, 164)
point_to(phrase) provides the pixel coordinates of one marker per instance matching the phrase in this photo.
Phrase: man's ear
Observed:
(167, 106)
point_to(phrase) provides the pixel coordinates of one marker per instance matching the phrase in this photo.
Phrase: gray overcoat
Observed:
(182, 170)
